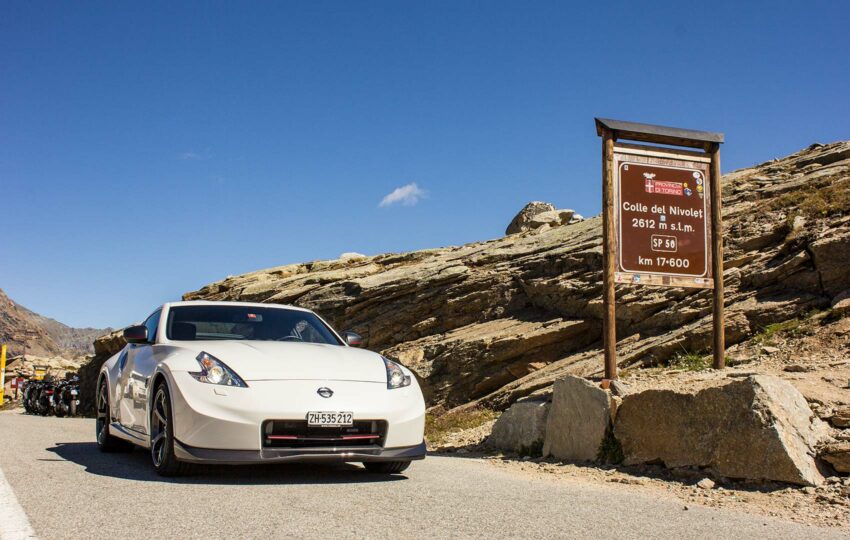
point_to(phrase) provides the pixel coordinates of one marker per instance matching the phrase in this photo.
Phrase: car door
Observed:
(135, 377)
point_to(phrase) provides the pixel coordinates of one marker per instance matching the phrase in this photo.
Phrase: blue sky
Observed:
(147, 149)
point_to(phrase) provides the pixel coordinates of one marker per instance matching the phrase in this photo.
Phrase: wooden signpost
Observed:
(661, 218)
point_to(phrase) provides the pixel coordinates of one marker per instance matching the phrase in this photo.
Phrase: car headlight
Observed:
(395, 376)
(214, 371)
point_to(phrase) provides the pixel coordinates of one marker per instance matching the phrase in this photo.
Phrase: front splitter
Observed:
(298, 455)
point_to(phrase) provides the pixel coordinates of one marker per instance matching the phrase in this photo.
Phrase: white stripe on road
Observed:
(14, 524)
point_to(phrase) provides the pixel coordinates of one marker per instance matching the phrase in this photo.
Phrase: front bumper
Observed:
(191, 454)
(231, 419)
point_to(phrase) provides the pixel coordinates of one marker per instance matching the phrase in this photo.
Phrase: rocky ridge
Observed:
(21, 331)
(27, 332)
(490, 322)
(74, 341)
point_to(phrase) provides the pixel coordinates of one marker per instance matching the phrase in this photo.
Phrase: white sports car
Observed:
(233, 382)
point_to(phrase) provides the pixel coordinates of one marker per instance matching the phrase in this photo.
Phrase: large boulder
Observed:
(104, 347)
(757, 428)
(579, 419)
(522, 221)
(521, 428)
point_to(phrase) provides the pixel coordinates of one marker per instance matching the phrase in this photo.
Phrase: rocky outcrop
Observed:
(522, 221)
(494, 321)
(757, 428)
(25, 365)
(521, 428)
(837, 454)
(104, 347)
(580, 417)
(539, 216)
(841, 418)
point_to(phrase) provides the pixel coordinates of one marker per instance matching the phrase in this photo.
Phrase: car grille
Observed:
(297, 434)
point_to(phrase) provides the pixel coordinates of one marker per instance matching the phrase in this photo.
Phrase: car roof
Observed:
(231, 303)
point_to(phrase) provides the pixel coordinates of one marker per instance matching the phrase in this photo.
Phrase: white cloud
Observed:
(195, 156)
(407, 195)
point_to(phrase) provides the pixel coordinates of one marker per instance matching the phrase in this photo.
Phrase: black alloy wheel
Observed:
(105, 441)
(162, 435)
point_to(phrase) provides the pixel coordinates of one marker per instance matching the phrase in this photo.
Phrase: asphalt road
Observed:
(70, 490)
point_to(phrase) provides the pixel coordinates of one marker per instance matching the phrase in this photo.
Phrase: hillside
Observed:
(25, 331)
(22, 333)
(493, 321)
(77, 341)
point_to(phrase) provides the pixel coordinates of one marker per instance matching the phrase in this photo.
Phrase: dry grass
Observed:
(816, 202)
(439, 426)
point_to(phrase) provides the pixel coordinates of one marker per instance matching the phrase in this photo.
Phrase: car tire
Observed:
(105, 442)
(386, 467)
(162, 435)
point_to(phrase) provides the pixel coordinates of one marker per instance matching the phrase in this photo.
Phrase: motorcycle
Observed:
(66, 397)
(27, 396)
(44, 398)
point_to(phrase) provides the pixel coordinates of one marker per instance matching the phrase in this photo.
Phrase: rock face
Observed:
(73, 341)
(541, 216)
(521, 428)
(838, 455)
(841, 418)
(522, 221)
(21, 333)
(580, 416)
(758, 428)
(104, 347)
(494, 321)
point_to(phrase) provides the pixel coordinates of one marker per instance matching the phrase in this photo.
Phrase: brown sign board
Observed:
(662, 216)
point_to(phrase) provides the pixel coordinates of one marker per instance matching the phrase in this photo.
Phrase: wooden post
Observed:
(609, 322)
(719, 348)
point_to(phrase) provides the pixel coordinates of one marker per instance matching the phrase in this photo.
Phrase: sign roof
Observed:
(657, 134)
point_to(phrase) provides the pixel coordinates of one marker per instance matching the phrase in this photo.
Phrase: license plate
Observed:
(315, 418)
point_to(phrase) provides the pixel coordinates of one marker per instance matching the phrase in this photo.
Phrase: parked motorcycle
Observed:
(44, 402)
(66, 397)
(27, 396)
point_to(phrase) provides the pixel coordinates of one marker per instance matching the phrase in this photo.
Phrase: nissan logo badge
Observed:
(325, 392)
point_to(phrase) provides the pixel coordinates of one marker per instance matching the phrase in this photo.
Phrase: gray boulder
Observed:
(522, 221)
(521, 428)
(580, 416)
(757, 428)
(550, 217)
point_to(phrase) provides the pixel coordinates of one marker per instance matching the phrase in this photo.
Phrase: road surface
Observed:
(68, 489)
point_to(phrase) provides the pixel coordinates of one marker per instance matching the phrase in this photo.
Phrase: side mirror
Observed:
(136, 334)
(352, 338)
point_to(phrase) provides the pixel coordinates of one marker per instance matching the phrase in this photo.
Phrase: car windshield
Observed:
(193, 323)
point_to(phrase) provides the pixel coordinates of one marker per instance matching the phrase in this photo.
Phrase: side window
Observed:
(151, 324)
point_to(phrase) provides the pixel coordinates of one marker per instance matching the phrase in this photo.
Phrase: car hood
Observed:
(271, 360)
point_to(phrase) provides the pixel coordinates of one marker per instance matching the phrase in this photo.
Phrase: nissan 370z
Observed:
(235, 383)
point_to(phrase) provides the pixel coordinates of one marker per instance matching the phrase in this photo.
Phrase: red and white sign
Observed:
(664, 188)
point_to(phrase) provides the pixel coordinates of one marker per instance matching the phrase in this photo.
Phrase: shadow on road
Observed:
(136, 465)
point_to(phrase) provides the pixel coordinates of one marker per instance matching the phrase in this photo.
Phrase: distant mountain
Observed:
(78, 340)
(25, 331)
